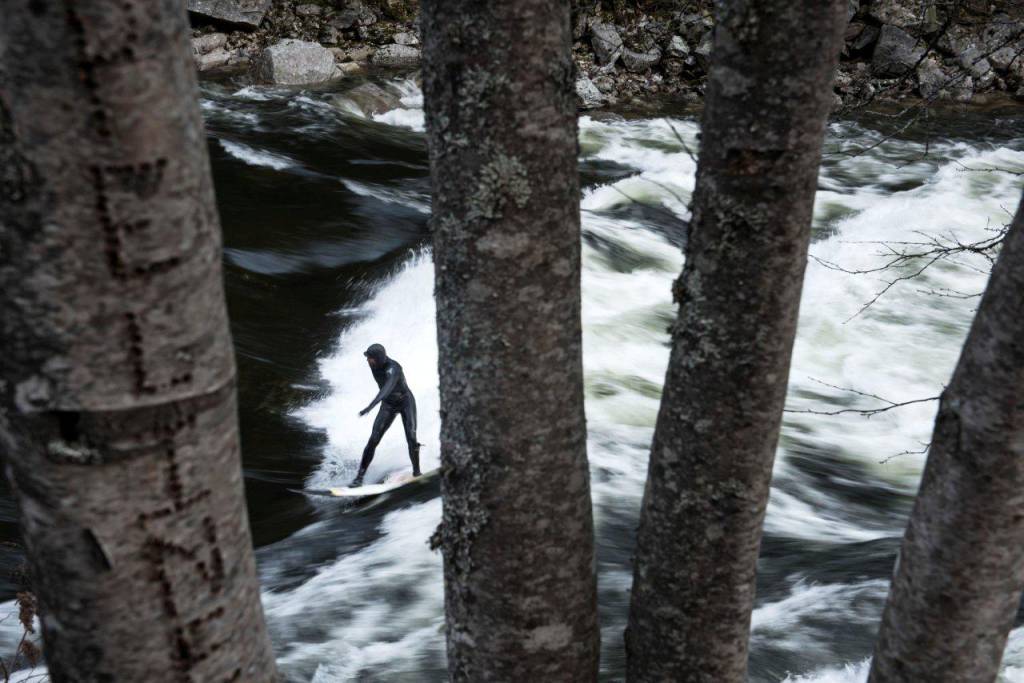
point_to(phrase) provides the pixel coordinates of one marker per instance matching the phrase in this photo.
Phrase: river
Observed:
(325, 213)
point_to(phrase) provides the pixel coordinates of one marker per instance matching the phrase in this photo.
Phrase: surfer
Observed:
(395, 399)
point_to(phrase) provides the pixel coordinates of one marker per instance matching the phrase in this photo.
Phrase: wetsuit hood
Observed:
(377, 353)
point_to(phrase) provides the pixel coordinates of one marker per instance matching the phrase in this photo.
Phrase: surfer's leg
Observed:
(409, 422)
(385, 416)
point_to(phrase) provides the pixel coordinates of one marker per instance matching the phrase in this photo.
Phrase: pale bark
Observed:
(517, 532)
(960, 571)
(707, 487)
(118, 422)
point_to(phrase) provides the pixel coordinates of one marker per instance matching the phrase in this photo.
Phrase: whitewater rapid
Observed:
(902, 347)
(842, 484)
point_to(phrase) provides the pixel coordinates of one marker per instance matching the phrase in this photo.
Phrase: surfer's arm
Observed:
(385, 391)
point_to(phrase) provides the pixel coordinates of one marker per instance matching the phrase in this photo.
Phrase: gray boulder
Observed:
(355, 13)
(931, 79)
(409, 39)
(638, 62)
(396, 56)
(309, 10)
(245, 13)
(899, 13)
(587, 94)
(607, 43)
(677, 47)
(896, 54)
(221, 58)
(208, 43)
(369, 98)
(977, 65)
(294, 62)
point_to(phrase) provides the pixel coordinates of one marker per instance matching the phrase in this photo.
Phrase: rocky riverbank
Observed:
(632, 52)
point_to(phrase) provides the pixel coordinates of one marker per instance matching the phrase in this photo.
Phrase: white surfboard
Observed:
(390, 484)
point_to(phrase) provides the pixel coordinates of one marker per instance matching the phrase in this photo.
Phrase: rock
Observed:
(294, 62)
(852, 7)
(396, 56)
(365, 16)
(361, 54)
(587, 94)
(605, 84)
(931, 79)
(339, 54)
(1004, 58)
(694, 26)
(208, 43)
(606, 42)
(349, 68)
(244, 13)
(638, 62)
(896, 53)
(329, 35)
(309, 10)
(355, 14)
(866, 38)
(898, 13)
(370, 98)
(677, 47)
(673, 67)
(964, 90)
(406, 39)
(399, 10)
(217, 58)
(703, 51)
(975, 63)
(1019, 95)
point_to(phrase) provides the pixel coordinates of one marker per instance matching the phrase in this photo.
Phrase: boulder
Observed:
(607, 43)
(963, 89)
(370, 98)
(309, 10)
(677, 47)
(587, 94)
(360, 54)
(638, 62)
(208, 43)
(896, 53)
(866, 38)
(977, 65)
(396, 56)
(931, 79)
(355, 13)
(294, 62)
(898, 13)
(244, 13)
(409, 39)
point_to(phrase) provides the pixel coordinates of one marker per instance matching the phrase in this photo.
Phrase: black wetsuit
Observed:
(395, 399)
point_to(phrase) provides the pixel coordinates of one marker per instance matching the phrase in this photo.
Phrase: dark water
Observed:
(326, 232)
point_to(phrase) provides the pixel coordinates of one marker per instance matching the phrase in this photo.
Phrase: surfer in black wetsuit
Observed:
(395, 399)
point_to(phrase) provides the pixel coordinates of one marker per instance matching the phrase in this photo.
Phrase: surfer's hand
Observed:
(363, 412)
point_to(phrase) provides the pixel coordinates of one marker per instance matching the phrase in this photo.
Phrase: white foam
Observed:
(256, 157)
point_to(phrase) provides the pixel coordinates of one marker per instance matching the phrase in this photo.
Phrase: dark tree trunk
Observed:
(117, 420)
(960, 571)
(517, 534)
(711, 461)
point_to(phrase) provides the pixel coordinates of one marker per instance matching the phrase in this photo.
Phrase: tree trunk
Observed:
(960, 571)
(517, 533)
(118, 419)
(711, 461)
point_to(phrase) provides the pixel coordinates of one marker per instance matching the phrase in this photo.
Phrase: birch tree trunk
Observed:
(711, 461)
(517, 533)
(960, 571)
(118, 421)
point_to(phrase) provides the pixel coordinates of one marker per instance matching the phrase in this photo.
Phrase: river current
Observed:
(325, 210)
